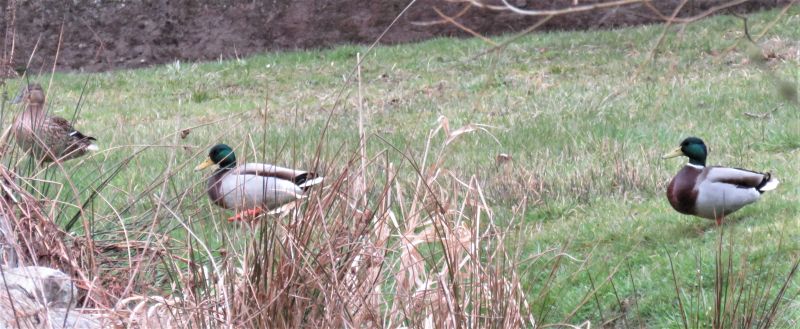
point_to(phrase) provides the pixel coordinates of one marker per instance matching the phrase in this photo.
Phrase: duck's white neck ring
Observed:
(695, 166)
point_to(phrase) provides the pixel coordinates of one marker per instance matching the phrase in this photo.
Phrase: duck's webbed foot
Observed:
(249, 214)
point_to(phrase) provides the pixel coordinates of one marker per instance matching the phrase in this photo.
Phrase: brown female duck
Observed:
(47, 138)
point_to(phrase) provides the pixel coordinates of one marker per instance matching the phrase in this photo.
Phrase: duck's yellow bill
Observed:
(675, 153)
(204, 165)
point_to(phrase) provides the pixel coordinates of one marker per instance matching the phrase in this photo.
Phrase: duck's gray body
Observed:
(258, 185)
(714, 192)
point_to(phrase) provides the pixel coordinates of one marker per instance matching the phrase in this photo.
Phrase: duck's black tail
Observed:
(769, 183)
(306, 180)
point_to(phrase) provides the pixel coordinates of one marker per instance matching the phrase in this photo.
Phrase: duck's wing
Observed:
(301, 178)
(246, 190)
(64, 139)
(61, 127)
(742, 178)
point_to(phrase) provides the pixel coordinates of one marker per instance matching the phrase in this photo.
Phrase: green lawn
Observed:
(585, 116)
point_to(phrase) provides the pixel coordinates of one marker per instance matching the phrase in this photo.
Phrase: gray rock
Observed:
(40, 297)
(48, 286)
(8, 253)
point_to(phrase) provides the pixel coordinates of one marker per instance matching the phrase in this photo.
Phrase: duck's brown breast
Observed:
(25, 128)
(682, 191)
(214, 188)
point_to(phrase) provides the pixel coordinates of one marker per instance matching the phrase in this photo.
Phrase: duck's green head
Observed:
(221, 155)
(693, 148)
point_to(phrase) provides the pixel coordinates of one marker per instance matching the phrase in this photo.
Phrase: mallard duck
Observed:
(253, 188)
(713, 192)
(47, 138)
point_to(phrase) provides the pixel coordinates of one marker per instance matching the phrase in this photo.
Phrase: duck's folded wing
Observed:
(299, 177)
(740, 177)
(60, 126)
(245, 191)
(57, 126)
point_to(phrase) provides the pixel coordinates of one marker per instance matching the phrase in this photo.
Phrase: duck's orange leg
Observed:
(719, 221)
(248, 214)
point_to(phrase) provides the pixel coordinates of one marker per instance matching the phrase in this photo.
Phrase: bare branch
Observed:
(461, 26)
(570, 10)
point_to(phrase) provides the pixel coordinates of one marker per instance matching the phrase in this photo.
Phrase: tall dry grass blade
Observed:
(359, 192)
(677, 291)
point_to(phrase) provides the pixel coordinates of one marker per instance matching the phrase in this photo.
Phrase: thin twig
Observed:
(570, 10)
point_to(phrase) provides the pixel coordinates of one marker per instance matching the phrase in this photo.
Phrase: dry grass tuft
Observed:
(30, 237)
(424, 251)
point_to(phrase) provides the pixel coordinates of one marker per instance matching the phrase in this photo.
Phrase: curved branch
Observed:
(685, 20)
(571, 9)
(464, 28)
(443, 21)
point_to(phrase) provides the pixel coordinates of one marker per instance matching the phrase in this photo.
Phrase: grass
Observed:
(584, 115)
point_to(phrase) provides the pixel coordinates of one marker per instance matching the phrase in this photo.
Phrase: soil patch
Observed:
(103, 35)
